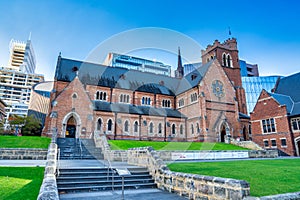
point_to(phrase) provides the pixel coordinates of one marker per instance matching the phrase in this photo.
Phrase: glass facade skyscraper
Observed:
(140, 64)
(253, 87)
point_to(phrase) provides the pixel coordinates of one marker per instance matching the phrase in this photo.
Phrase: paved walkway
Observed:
(144, 194)
(102, 163)
(23, 163)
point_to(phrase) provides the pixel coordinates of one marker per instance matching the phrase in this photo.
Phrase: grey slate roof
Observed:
(287, 93)
(115, 77)
(139, 110)
(296, 109)
(284, 100)
(290, 86)
(243, 116)
(193, 78)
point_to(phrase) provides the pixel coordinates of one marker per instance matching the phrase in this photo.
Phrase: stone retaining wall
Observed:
(247, 144)
(112, 155)
(188, 185)
(23, 154)
(48, 190)
(167, 155)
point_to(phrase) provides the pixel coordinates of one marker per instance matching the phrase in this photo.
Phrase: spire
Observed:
(179, 72)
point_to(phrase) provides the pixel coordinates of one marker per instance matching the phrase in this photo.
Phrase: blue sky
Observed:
(268, 32)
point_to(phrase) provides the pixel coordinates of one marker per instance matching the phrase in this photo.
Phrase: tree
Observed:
(29, 125)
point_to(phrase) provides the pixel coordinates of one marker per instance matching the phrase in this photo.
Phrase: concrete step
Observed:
(107, 178)
(92, 183)
(105, 188)
(87, 179)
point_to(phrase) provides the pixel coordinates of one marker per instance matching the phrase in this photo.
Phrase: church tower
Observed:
(227, 55)
(179, 72)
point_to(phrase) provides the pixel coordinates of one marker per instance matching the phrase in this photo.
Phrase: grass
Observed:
(20, 182)
(266, 177)
(24, 142)
(126, 144)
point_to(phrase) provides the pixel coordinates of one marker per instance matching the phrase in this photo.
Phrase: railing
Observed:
(58, 161)
(79, 140)
(109, 167)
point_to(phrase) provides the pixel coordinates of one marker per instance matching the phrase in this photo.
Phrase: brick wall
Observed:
(267, 108)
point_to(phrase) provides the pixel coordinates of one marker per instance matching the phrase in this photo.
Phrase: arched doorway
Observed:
(71, 128)
(244, 134)
(222, 133)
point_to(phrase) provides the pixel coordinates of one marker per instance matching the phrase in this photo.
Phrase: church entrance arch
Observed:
(71, 128)
(71, 125)
(224, 133)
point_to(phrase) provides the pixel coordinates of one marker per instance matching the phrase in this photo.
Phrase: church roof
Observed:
(290, 86)
(116, 77)
(283, 100)
(139, 110)
(287, 92)
(193, 78)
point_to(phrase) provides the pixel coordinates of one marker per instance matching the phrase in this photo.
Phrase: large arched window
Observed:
(136, 127)
(224, 60)
(192, 129)
(143, 100)
(228, 60)
(198, 128)
(173, 129)
(159, 128)
(109, 125)
(99, 124)
(100, 95)
(126, 126)
(151, 128)
(166, 103)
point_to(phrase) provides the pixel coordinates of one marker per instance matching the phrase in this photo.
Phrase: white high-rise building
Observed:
(22, 57)
(15, 90)
(18, 78)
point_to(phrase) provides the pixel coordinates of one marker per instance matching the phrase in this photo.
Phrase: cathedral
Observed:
(207, 104)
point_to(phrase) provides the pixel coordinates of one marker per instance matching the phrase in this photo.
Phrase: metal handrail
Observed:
(109, 167)
(80, 147)
(58, 161)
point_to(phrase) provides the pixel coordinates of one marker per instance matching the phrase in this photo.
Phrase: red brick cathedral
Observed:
(207, 104)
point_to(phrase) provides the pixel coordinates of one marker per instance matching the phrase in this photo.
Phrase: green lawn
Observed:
(24, 142)
(266, 177)
(20, 182)
(126, 144)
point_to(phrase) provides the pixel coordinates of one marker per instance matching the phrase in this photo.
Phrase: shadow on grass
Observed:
(29, 191)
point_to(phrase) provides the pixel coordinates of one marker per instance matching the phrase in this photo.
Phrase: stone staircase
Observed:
(73, 149)
(80, 179)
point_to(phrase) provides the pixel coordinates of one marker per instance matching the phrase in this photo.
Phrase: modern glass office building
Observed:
(253, 87)
(140, 64)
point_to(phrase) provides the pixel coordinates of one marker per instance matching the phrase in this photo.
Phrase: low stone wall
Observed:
(188, 185)
(48, 190)
(206, 155)
(246, 144)
(112, 155)
(263, 154)
(23, 154)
